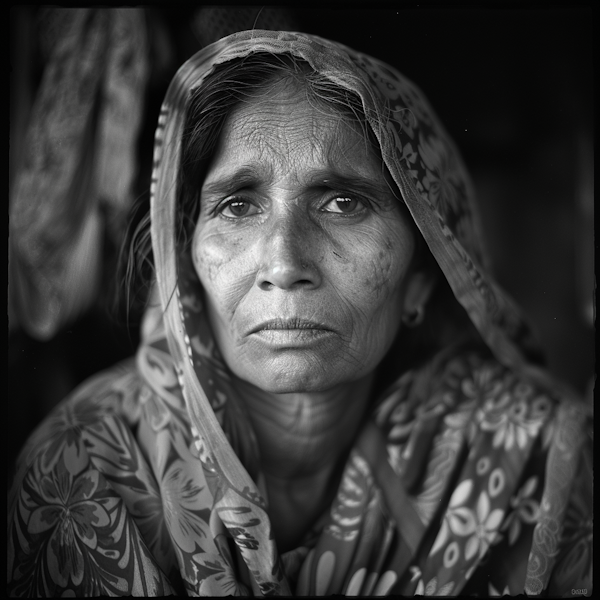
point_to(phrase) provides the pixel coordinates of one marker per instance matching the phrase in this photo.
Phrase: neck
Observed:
(303, 440)
(300, 435)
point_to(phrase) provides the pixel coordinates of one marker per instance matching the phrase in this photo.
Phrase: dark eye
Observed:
(237, 207)
(343, 205)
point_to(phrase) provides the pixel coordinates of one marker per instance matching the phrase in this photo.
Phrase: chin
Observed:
(291, 383)
(293, 377)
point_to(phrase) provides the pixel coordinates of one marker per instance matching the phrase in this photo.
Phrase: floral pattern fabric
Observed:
(113, 498)
(473, 474)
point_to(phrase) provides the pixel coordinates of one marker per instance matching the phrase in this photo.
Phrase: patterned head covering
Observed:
(435, 188)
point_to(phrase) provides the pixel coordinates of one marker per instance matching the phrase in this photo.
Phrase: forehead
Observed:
(285, 127)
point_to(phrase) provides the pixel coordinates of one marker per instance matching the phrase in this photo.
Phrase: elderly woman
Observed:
(331, 395)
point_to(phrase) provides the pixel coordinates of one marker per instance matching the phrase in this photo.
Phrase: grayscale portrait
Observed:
(301, 301)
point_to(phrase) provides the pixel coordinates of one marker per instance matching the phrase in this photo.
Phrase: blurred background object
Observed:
(513, 87)
(72, 180)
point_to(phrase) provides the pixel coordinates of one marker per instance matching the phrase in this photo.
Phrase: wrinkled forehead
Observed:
(284, 121)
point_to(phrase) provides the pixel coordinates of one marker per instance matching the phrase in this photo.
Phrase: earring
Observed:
(415, 317)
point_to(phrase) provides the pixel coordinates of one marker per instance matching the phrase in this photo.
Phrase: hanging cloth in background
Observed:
(74, 181)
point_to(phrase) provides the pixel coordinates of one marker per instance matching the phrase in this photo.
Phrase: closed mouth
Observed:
(288, 325)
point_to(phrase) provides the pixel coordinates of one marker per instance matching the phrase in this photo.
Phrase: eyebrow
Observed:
(248, 176)
(244, 177)
(335, 180)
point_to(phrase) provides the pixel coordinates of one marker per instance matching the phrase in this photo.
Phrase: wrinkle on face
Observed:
(362, 263)
(286, 142)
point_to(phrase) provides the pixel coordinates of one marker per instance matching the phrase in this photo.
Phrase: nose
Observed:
(287, 257)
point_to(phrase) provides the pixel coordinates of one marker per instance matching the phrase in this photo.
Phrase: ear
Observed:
(419, 287)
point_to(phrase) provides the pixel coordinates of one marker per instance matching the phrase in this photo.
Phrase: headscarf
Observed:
(434, 185)
(475, 445)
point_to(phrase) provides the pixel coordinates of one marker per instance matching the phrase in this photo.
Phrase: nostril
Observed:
(267, 285)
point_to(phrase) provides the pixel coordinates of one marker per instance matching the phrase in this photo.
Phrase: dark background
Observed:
(515, 90)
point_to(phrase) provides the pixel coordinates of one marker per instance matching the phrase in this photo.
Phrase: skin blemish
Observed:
(339, 257)
(381, 277)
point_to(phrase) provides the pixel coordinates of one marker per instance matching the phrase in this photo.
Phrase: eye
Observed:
(236, 208)
(344, 205)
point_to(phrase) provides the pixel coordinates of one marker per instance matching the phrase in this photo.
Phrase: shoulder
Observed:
(111, 392)
(507, 448)
(467, 389)
(70, 530)
(465, 411)
(470, 380)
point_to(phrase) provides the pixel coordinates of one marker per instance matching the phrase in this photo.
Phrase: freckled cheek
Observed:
(389, 272)
(378, 272)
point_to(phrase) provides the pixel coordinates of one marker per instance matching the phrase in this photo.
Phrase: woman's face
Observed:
(301, 247)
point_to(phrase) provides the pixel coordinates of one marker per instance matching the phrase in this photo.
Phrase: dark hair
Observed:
(242, 80)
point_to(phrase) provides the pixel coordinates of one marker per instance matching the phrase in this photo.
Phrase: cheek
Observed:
(380, 265)
(221, 266)
(380, 277)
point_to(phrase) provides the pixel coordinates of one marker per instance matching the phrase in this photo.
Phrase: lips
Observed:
(290, 324)
(290, 333)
